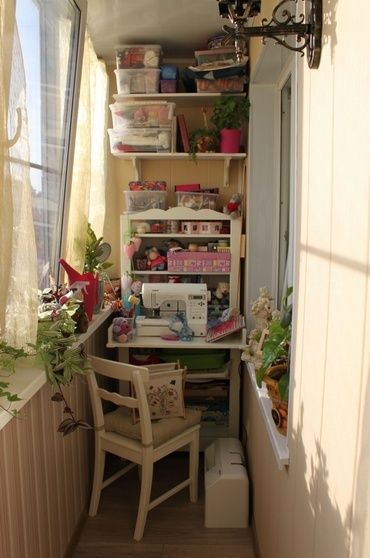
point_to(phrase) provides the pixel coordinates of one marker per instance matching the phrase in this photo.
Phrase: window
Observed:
(51, 34)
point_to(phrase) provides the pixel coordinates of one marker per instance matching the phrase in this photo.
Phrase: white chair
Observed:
(142, 443)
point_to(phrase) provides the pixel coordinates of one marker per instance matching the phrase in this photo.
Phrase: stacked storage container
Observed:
(139, 126)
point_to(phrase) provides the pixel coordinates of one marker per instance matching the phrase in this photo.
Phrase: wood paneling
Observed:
(45, 478)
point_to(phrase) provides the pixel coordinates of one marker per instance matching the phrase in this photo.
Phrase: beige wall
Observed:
(319, 506)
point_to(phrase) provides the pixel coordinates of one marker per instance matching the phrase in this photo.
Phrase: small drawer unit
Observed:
(137, 81)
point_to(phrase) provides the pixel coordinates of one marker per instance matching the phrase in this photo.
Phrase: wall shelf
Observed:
(182, 99)
(279, 442)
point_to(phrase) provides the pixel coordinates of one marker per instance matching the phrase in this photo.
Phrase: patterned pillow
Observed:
(165, 394)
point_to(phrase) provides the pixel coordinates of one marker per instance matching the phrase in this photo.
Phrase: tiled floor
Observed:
(174, 529)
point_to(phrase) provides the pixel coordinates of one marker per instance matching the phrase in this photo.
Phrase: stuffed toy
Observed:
(155, 260)
(233, 208)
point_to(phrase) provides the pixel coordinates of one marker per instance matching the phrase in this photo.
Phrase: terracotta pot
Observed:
(230, 141)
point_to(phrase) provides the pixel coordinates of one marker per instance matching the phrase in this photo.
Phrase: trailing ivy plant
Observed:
(8, 356)
(62, 358)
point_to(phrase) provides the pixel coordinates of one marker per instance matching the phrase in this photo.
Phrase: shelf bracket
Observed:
(136, 166)
(227, 171)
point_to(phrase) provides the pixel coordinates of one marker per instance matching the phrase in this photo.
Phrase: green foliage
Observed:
(230, 112)
(201, 138)
(94, 252)
(276, 347)
(57, 350)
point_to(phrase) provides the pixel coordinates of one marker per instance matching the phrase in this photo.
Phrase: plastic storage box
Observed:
(137, 81)
(138, 56)
(142, 200)
(226, 484)
(142, 115)
(197, 200)
(214, 55)
(221, 85)
(134, 140)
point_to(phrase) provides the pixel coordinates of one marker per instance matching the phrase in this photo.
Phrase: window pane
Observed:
(49, 33)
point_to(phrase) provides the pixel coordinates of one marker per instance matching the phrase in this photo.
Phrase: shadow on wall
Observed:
(329, 32)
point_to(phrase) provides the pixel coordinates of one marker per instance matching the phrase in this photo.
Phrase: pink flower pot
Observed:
(230, 141)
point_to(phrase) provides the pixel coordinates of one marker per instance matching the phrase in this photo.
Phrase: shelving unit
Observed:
(230, 172)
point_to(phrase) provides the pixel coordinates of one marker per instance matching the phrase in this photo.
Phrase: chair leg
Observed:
(193, 467)
(145, 491)
(98, 479)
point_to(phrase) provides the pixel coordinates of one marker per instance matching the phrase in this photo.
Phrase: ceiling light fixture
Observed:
(283, 23)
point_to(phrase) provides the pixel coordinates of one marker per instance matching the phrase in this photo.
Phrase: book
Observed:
(183, 132)
(187, 187)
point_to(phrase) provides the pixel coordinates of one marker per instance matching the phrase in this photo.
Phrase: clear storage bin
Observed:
(138, 56)
(214, 55)
(142, 200)
(140, 140)
(142, 115)
(137, 81)
(197, 200)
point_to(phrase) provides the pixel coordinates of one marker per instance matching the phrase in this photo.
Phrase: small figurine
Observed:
(155, 260)
(233, 208)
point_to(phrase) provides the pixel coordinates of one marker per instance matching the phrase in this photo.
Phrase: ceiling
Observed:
(180, 26)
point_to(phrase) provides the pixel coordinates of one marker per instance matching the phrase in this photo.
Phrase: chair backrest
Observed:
(138, 375)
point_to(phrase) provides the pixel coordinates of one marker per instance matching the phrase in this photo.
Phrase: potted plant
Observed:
(56, 349)
(203, 140)
(274, 369)
(230, 112)
(96, 254)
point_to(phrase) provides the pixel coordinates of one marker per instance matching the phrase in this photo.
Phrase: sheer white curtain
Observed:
(87, 198)
(18, 257)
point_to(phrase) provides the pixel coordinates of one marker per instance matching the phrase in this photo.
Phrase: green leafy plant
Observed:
(276, 347)
(203, 140)
(95, 252)
(230, 112)
(58, 351)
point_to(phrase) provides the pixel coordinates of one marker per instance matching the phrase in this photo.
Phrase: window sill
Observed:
(29, 376)
(278, 442)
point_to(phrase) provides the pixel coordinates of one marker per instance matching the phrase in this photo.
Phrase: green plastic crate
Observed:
(196, 359)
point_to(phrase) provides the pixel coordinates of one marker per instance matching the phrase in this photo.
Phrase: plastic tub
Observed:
(137, 81)
(142, 115)
(222, 85)
(214, 54)
(138, 56)
(197, 200)
(140, 140)
(142, 200)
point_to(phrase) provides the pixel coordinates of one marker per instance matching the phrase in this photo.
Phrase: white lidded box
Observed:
(226, 484)
(136, 114)
(197, 200)
(137, 81)
(138, 56)
(140, 140)
(141, 200)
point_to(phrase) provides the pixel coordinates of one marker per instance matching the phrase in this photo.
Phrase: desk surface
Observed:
(235, 340)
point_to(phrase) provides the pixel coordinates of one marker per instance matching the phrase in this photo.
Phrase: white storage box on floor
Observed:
(226, 484)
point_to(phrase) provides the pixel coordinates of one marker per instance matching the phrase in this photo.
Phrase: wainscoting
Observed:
(44, 477)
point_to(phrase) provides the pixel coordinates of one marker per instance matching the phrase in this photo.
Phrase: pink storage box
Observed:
(168, 85)
(198, 262)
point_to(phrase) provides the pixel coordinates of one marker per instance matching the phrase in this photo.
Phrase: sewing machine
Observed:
(164, 300)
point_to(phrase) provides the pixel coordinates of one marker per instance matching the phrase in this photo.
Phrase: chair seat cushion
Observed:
(164, 429)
